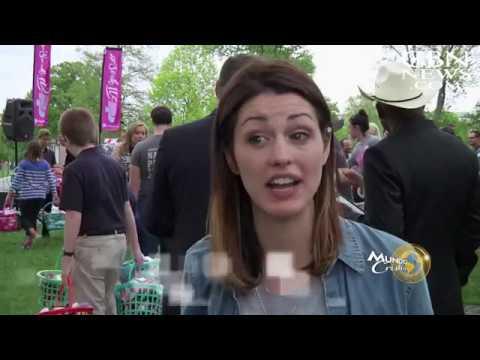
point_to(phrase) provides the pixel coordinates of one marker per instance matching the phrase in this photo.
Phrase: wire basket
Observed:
(138, 297)
(149, 269)
(54, 220)
(71, 308)
(50, 282)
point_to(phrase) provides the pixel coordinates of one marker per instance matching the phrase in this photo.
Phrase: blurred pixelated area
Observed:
(19, 290)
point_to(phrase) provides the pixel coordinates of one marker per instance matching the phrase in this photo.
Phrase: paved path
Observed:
(472, 309)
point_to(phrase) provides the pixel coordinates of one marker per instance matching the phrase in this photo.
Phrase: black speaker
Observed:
(17, 120)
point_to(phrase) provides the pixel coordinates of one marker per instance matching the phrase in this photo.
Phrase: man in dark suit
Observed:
(422, 185)
(178, 207)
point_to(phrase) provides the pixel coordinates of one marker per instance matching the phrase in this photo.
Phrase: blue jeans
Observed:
(149, 243)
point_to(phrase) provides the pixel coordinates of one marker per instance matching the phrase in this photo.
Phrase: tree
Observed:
(137, 73)
(473, 119)
(458, 65)
(297, 54)
(185, 83)
(73, 84)
(4, 148)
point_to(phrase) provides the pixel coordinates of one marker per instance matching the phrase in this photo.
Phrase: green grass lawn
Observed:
(18, 282)
(19, 285)
(471, 292)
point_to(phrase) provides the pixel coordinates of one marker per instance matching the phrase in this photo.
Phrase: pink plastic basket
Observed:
(8, 220)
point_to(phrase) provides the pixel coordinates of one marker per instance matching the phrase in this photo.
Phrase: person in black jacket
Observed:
(178, 207)
(422, 185)
(48, 155)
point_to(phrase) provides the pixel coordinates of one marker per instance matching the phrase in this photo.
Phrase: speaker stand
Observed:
(16, 155)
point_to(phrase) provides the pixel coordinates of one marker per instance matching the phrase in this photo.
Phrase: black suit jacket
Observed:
(422, 185)
(177, 213)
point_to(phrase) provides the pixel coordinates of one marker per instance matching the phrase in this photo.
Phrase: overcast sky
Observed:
(339, 68)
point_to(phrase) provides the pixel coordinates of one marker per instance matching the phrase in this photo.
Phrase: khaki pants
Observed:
(97, 270)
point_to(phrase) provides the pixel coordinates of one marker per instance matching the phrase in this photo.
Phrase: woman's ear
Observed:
(232, 164)
(326, 152)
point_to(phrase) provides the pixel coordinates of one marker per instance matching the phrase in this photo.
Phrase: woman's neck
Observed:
(362, 137)
(288, 235)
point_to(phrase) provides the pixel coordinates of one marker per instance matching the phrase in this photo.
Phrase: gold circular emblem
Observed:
(412, 263)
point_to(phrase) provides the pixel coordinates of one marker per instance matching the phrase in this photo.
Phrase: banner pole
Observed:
(33, 85)
(101, 102)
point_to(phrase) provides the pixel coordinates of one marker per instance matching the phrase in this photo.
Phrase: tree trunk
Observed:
(414, 55)
(440, 100)
(408, 55)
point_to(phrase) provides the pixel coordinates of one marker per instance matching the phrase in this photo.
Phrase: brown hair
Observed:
(231, 220)
(78, 126)
(126, 144)
(232, 65)
(476, 132)
(43, 132)
(361, 120)
(34, 151)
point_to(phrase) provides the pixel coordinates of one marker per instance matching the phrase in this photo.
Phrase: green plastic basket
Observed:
(53, 220)
(127, 271)
(137, 298)
(50, 282)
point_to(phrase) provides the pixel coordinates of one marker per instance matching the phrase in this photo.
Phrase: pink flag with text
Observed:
(41, 84)
(111, 104)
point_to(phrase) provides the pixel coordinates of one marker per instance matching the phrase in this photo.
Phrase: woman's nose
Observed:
(281, 154)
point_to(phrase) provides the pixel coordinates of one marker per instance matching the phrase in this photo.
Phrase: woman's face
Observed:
(279, 153)
(354, 132)
(138, 135)
(44, 141)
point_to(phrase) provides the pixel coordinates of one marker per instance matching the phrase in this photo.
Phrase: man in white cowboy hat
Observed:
(422, 184)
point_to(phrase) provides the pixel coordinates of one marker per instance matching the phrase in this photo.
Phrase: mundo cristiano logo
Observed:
(409, 263)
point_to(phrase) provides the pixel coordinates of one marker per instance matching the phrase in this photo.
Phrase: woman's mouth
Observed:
(283, 187)
(282, 182)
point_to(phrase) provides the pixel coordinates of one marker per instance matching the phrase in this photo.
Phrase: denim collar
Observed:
(351, 251)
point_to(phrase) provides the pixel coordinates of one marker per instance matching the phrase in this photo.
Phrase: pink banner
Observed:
(111, 101)
(41, 84)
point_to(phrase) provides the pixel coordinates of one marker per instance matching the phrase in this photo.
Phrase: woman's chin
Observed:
(283, 211)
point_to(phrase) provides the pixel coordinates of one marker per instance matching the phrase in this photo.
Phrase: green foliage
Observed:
(461, 124)
(74, 84)
(297, 54)
(185, 84)
(446, 118)
(473, 118)
(334, 111)
(5, 151)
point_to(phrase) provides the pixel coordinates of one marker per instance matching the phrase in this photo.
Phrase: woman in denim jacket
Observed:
(277, 245)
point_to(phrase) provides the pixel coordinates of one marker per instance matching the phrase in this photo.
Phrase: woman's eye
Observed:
(256, 139)
(300, 136)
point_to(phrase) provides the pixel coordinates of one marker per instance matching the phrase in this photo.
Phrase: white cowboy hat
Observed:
(398, 85)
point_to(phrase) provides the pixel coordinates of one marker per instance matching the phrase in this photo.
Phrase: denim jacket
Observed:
(351, 287)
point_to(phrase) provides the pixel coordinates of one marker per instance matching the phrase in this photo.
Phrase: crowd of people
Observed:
(244, 201)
